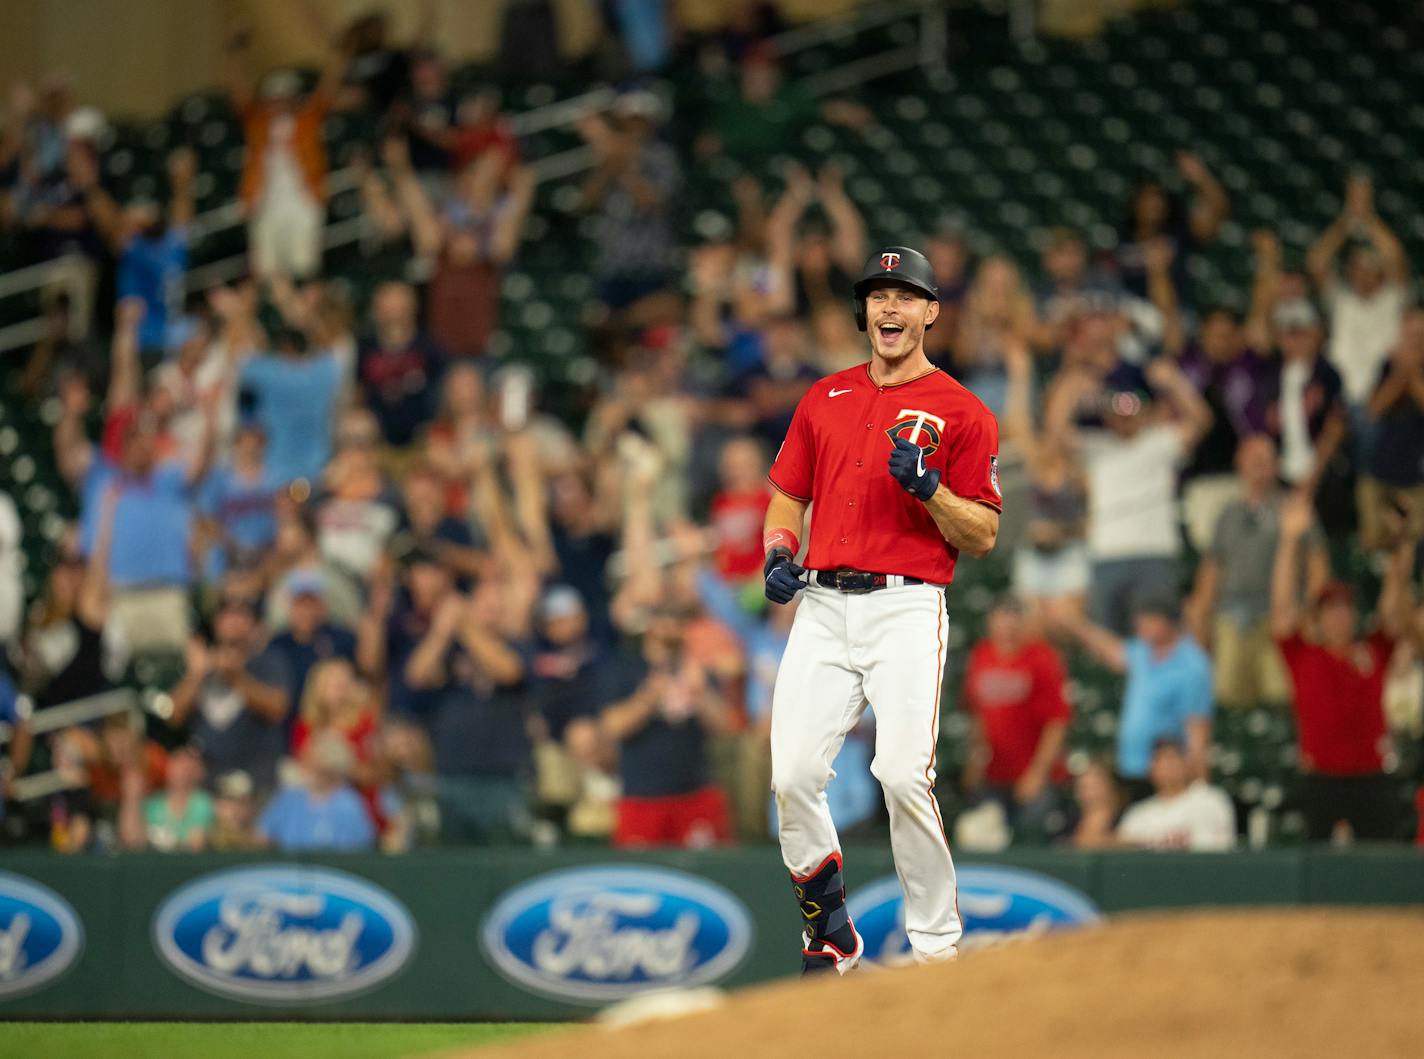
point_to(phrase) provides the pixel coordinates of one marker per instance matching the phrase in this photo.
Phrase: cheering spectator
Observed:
(633, 188)
(395, 622)
(12, 587)
(470, 237)
(425, 526)
(399, 367)
(1051, 567)
(1153, 214)
(1367, 305)
(1304, 408)
(1013, 688)
(1132, 470)
(1393, 472)
(738, 510)
(357, 510)
(1182, 814)
(178, 818)
(322, 812)
(1070, 288)
(1230, 376)
(238, 500)
(283, 186)
(660, 708)
(478, 725)
(948, 255)
(144, 505)
(768, 112)
(233, 698)
(295, 391)
(309, 638)
(997, 311)
(1230, 604)
(1168, 693)
(817, 266)
(1338, 678)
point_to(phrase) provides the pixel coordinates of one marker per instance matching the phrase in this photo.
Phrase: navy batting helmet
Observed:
(894, 264)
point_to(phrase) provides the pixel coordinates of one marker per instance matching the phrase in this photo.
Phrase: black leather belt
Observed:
(857, 580)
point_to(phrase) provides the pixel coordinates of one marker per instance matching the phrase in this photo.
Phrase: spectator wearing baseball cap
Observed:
(1338, 676)
(1305, 410)
(322, 812)
(234, 697)
(234, 814)
(238, 502)
(1013, 689)
(1169, 687)
(309, 637)
(1132, 463)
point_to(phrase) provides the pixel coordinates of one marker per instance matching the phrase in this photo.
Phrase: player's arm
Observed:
(781, 540)
(969, 525)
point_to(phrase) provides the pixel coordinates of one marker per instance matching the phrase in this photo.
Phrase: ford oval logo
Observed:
(600, 934)
(995, 903)
(40, 935)
(283, 934)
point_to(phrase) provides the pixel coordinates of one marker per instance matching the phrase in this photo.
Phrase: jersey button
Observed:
(860, 463)
(869, 426)
(852, 503)
(844, 540)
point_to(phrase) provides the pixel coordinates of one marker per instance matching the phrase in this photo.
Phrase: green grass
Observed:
(247, 1040)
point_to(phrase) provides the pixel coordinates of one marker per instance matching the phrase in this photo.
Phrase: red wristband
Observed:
(780, 538)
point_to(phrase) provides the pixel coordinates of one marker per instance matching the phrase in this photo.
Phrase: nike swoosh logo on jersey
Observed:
(837, 393)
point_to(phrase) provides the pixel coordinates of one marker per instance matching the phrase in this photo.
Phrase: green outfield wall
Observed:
(515, 934)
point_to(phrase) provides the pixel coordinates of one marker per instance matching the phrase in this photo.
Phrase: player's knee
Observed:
(795, 779)
(903, 786)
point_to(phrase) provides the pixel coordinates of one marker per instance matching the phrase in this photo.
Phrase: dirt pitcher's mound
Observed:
(1256, 983)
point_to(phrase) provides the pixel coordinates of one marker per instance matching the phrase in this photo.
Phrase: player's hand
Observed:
(907, 466)
(783, 577)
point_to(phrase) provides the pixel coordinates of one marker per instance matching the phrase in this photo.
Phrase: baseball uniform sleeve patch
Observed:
(994, 476)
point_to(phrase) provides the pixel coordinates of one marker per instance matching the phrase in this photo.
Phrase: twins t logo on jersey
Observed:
(918, 426)
(889, 262)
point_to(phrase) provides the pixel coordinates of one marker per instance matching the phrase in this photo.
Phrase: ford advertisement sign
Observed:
(594, 935)
(283, 934)
(995, 903)
(40, 935)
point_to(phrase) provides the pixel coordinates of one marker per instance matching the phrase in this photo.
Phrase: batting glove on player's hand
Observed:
(907, 466)
(783, 577)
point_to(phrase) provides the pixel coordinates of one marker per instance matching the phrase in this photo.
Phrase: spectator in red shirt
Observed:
(738, 510)
(1339, 687)
(1013, 688)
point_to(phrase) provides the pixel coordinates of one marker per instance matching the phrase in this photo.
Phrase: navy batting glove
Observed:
(783, 577)
(907, 466)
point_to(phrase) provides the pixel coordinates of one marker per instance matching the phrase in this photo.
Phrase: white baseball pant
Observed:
(887, 648)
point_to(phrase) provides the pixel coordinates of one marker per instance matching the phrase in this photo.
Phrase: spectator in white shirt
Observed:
(1180, 815)
(1132, 465)
(1367, 306)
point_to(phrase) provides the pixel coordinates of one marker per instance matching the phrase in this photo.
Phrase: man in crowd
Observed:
(1392, 477)
(1132, 466)
(1338, 677)
(323, 812)
(309, 637)
(1013, 688)
(1230, 604)
(1183, 813)
(233, 698)
(1168, 693)
(399, 367)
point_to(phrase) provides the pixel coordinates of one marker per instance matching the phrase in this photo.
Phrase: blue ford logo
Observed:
(599, 934)
(995, 903)
(40, 935)
(279, 934)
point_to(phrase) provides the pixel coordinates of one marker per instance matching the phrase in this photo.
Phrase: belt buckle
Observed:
(847, 580)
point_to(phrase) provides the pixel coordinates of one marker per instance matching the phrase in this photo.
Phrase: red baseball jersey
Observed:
(837, 452)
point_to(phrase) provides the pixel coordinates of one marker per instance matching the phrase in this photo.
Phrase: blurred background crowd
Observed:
(385, 452)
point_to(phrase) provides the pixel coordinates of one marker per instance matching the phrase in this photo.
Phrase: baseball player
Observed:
(901, 463)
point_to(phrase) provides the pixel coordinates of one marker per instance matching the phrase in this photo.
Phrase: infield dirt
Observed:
(1201, 985)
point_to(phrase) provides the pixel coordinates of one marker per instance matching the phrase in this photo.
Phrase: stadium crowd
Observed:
(414, 606)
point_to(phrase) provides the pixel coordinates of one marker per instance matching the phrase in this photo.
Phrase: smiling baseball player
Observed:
(902, 464)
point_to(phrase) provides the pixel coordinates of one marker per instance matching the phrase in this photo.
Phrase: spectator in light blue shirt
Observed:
(14, 712)
(295, 395)
(324, 812)
(1169, 688)
(240, 499)
(153, 253)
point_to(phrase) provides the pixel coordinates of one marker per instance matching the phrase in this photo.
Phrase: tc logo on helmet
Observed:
(889, 262)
